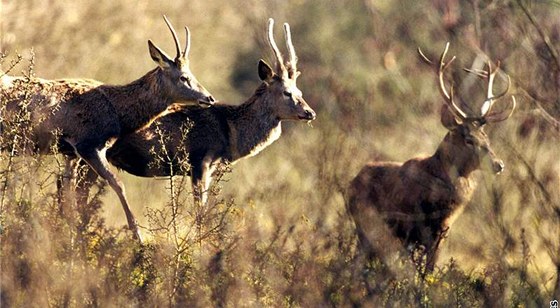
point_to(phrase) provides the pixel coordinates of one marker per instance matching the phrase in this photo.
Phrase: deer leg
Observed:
(201, 177)
(86, 178)
(366, 246)
(433, 251)
(196, 181)
(98, 162)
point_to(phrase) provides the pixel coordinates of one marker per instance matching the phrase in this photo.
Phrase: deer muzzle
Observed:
(207, 101)
(308, 114)
(497, 166)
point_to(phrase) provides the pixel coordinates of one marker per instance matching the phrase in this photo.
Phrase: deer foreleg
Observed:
(201, 177)
(433, 251)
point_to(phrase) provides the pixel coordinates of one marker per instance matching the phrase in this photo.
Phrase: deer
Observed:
(221, 134)
(417, 201)
(89, 116)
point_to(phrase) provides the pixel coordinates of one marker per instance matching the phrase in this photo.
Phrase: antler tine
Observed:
(441, 67)
(449, 97)
(477, 72)
(188, 45)
(501, 116)
(175, 38)
(423, 57)
(490, 97)
(491, 76)
(277, 54)
(291, 50)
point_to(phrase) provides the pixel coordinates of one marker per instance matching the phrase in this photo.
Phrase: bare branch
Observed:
(542, 34)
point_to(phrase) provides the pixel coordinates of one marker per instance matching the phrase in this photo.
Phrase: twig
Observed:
(546, 116)
(542, 34)
(530, 171)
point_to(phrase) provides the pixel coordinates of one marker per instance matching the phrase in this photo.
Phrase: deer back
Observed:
(170, 141)
(226, 132)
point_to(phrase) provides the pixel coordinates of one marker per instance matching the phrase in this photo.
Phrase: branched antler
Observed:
(448, 95)
(491, 98)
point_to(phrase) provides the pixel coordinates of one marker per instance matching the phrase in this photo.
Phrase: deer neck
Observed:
(453, 171)
(138, 103)
(452, 159)
(459, 182)
(253, 127)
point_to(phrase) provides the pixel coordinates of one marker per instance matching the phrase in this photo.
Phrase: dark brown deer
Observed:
(88, 116)
(419, 199)
(223, 133)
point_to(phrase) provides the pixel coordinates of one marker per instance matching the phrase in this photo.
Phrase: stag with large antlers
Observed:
(419, 199)
(223, 133)
(83, 118)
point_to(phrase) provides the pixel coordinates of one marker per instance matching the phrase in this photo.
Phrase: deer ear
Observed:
(159, 56)
(448, 119)
(265, 71)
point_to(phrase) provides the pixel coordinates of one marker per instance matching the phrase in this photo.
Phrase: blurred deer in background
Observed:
(83, 118)
(419, 199)
(223, 133)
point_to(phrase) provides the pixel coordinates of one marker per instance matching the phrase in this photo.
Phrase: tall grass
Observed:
(276, 232)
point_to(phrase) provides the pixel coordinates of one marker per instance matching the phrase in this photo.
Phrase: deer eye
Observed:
(287, 93)
(185, 79)
(469, 142)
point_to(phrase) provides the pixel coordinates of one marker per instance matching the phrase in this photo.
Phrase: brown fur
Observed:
(223, 133)
(89, 116)
(418, 200)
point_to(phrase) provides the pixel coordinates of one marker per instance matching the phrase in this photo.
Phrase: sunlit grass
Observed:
(285, 238)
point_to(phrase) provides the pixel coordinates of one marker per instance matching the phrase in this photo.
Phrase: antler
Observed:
(176, 39)
(188, 45)
(490, 100)
(279, 60)
(490, 74)
(442, 66)
(292, 64)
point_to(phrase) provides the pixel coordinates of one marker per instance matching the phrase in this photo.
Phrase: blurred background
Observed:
(288, 230)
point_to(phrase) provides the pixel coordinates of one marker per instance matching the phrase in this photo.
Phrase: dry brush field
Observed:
(275, 231)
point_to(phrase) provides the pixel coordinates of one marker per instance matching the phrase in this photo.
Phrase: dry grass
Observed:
(276, 233)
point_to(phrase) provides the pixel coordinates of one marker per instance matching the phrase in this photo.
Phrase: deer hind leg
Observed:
(377, 271)
(85, 180)
(98, 162)
(65, 186)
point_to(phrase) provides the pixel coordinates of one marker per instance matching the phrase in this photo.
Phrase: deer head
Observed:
(177, 80)
(281, 84)
(466, 146)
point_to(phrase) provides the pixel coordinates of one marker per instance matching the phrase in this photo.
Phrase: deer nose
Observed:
(498, 166)
(207, 101)
(310, 115)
